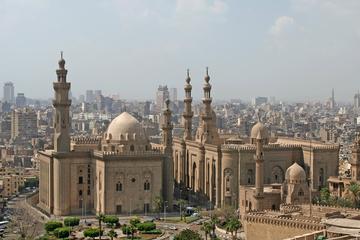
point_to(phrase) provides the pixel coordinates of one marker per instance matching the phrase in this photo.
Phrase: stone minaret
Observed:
(168, 166)
(355, 159)
(259, 178)
(188, 113)
(61, 104)
(207, 131)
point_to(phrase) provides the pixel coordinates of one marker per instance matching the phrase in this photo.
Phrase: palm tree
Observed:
(207, 228)
(158, 202)
(232, 225)
(100, 217)
(213, 222)
(182, 204)
(112, 234)
(354, 189)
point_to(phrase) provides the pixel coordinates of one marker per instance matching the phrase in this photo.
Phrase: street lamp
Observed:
(165, 210)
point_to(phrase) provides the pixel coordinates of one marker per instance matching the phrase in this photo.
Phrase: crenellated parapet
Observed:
(269, 147)
(313, 224)
(109, 154)
(85, 140)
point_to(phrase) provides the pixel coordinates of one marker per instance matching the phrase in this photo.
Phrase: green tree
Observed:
(207, 228)
(158, 204)
(135, 221)
(354, 190)
(112, 234)
(187, 234)
(129, 230)
(100, 217)
(232, 226)
(324, 196)
(182, 203)
(214, 221)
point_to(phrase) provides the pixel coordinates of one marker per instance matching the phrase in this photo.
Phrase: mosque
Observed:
(247, 174)
(117, 173)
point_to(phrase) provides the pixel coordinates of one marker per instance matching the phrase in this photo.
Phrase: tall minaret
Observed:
(188, 113)
(61, 104)
(168, 166)
(207, 131)
(355, 159)
(259, 172)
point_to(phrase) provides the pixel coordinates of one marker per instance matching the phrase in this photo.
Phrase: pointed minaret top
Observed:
(167, 102)
(188, 79)
(61, 61)
(207, 77)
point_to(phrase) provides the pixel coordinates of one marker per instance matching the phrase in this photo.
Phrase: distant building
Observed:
(24, 124)
(332, 99)
(9, 92)
(259, 100)
(90, 97)
(357, 101)
(173, 95)
(161, 95)
(5, 127)
(20, 100)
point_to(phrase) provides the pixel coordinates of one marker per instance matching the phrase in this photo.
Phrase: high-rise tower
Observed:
(188, 113)
(61, 104)
(168, 166)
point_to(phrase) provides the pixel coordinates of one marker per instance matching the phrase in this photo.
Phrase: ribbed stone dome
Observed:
(295, 173)
(125, 127)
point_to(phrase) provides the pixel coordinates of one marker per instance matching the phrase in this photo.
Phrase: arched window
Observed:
(300, 193)
(250, 176)
(80, 192)
(321, 177)
(119, 187)
(146, 185)
(227, 184)
(132, 148)
(277, 175)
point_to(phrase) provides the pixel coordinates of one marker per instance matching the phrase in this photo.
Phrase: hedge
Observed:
(112, 220)
(155, 231)
(92, 232)
(52, 225)
(71, 221)
(62, 232)
(146, 226)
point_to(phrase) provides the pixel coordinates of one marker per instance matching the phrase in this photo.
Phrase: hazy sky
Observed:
(294, 50)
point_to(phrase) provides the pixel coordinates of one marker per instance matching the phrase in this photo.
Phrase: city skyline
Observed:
(282, 47)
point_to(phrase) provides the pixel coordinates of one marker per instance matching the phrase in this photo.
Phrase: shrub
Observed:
(52, 225)
(92, 232)
(71, 221)
(146, 226)
(111, 220)
(187, 234)
(62, 232)
(135, 221)
(128, 230)
(154, 231)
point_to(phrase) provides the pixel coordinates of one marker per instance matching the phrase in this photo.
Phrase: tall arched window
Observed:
(250, 176)
(147, 185)
(321, 178)
(132, 148)
(119, 187)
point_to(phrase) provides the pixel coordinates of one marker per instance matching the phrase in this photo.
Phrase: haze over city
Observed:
(295, 50)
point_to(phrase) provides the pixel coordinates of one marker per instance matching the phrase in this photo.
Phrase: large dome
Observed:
(125, 127)
(259, 131)
(295, 173)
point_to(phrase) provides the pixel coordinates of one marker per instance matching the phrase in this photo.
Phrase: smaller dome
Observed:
(295, 173)
(259, 131)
